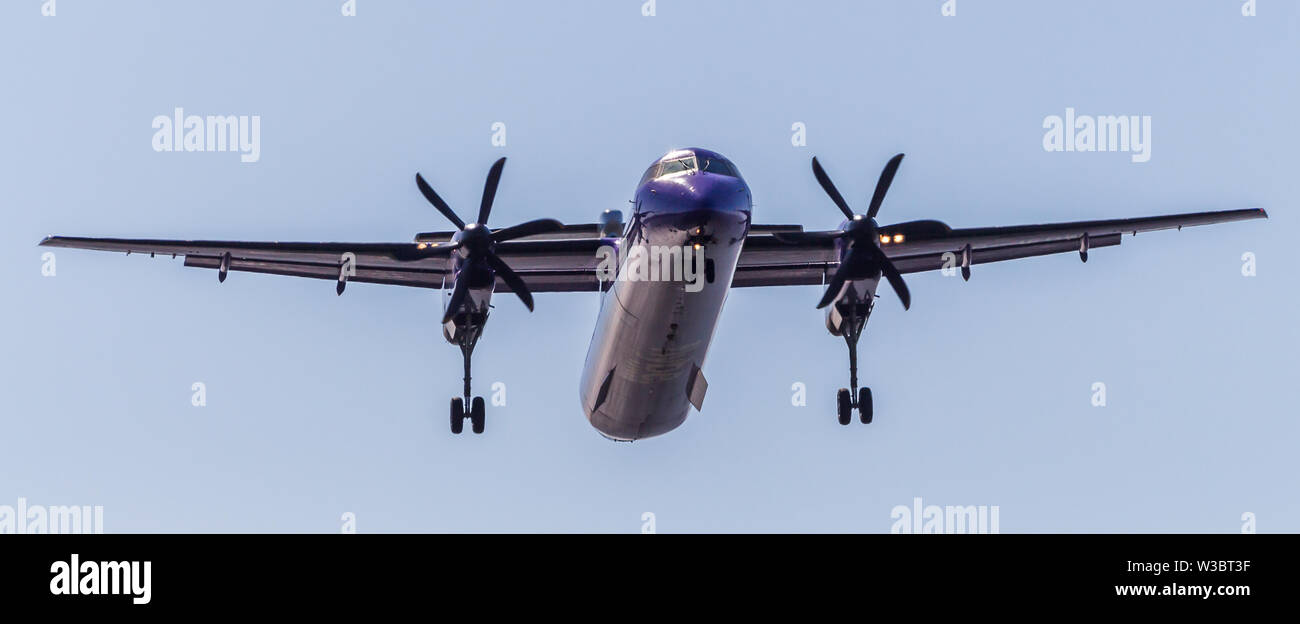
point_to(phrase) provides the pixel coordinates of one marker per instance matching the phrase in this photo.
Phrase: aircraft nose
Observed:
(718, 193)
(705, 207)
(699, 191)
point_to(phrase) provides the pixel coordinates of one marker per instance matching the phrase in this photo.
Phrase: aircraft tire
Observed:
(457, 415)
(477, 416)
(865, 408)
(844, 405)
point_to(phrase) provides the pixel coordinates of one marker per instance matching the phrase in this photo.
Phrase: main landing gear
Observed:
(855, 317)
(476, 413)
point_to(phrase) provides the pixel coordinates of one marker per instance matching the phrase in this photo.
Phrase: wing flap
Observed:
(422, 278)
(932, 261)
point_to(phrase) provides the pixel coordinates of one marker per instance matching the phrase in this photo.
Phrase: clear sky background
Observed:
(320, 405)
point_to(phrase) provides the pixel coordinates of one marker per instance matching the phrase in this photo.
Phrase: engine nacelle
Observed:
(611, 224)
(859, 304)
(468, 322)
(834, 321)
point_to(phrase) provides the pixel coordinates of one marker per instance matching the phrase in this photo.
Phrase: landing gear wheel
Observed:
(864, 405)
(844, 403)
(457, 415)
(477, 418)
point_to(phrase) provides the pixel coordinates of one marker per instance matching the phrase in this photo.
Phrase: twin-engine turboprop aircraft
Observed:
(665, 275)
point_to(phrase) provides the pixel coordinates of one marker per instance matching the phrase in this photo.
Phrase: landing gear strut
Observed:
(855, 318)
(476, 414)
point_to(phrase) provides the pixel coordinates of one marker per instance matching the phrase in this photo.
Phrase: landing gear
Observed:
(855, 318)
(457, 415)
(844, 405)
(477, 414)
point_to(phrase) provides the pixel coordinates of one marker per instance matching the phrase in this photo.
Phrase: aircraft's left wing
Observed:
(924, 245)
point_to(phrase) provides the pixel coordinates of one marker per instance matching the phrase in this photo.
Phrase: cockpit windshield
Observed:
(677, 165)
(720, 166)
(688, 163)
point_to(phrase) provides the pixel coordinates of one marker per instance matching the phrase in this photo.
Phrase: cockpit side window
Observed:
(650, 174)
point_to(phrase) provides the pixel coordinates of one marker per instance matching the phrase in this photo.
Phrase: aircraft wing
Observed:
(766, 261)
(559, 263)
(545, 265)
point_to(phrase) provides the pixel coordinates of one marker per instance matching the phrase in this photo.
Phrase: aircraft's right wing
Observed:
(546, 263)
(766, 261)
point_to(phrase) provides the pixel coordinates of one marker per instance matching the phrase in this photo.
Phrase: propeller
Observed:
(865, 258)
(477, 243)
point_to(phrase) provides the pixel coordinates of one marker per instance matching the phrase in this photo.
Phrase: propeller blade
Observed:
(795, 238)
(882, 185)
(836, 283)
(896, 281)
(529, 228)
(490, 190)
(895, 278)
(437, 202)
(458, 294)
(830, 189)
(512, 279)
(849, 270)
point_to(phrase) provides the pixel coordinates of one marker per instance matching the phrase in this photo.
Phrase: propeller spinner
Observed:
(477, 244)
(865, 259)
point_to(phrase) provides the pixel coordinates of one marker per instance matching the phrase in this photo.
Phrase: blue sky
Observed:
(320, 405)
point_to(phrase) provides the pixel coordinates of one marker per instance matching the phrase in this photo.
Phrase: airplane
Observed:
(643, 370)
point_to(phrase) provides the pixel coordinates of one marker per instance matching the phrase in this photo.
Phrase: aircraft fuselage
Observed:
(652, 335)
